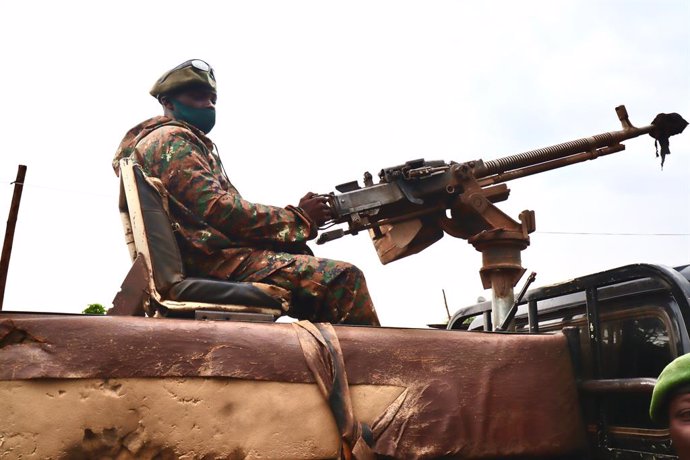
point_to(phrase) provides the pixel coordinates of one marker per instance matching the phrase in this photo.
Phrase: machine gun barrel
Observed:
(567, 153)
(565, 149)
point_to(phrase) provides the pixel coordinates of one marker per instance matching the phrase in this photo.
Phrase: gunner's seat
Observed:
(157, 285)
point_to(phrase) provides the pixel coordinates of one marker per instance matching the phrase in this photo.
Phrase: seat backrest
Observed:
(151, 240)
(151, 227)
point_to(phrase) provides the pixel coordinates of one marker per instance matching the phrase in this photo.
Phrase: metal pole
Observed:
(508, 318)
(445, 302)
(501, 269)
(9, 230)
(502, 298)
(533, 316)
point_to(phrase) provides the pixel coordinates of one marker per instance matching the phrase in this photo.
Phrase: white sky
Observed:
(314, 93)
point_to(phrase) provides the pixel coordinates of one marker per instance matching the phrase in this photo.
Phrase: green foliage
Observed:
(468, 320)
(94, 309)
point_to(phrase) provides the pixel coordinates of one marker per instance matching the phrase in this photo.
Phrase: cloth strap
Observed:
(324, 357)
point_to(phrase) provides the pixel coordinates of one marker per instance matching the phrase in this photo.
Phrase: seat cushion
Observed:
(229, 293)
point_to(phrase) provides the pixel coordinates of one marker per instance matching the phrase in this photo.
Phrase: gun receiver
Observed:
(414, 204)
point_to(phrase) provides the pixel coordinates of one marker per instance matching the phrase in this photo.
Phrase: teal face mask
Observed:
(204, 119)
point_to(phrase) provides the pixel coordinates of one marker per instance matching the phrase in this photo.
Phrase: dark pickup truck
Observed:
(624, 326)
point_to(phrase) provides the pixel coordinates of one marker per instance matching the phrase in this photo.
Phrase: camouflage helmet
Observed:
(191, 73)
(673, 380)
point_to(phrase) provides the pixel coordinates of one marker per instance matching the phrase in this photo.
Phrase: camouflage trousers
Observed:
(323, 290)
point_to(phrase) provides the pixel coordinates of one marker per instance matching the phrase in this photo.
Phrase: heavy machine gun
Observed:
(414, 204)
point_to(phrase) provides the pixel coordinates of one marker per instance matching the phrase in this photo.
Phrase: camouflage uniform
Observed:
(222, 235)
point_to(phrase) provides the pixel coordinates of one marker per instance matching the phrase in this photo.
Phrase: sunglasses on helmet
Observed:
(197, 64)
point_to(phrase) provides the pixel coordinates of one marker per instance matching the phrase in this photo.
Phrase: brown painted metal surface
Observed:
(492, 232)
(171, 418)
(133, 297)
(469, 395)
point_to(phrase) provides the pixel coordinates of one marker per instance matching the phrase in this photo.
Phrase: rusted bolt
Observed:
(477, 202)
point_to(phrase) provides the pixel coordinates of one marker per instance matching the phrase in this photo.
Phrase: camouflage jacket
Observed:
(216, 228)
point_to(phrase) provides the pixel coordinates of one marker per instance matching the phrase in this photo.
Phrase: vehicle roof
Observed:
(638, 286)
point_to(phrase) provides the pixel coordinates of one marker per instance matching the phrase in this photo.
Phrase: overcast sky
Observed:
(314, 93)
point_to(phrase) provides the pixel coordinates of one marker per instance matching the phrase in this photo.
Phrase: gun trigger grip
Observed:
(330, 236)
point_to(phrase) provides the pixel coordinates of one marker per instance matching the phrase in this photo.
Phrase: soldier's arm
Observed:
(188, 176)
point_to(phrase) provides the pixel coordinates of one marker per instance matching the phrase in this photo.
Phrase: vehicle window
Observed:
(634, 347)
(634, 344)
(631, 347)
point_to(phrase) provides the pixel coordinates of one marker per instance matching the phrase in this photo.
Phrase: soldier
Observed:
(670, 404)
(224, 236)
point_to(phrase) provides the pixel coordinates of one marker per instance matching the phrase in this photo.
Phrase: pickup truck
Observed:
(625, 325)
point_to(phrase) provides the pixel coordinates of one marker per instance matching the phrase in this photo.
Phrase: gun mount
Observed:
(414, 204)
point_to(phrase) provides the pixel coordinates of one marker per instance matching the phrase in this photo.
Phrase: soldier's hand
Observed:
(316, 207)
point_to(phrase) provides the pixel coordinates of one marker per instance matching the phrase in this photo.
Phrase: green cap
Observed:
(192, 73)
(674, 377)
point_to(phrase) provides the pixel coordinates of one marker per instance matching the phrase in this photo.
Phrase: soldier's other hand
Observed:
(316, 207)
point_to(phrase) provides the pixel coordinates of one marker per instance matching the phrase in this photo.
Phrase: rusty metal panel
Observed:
(464, 394)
